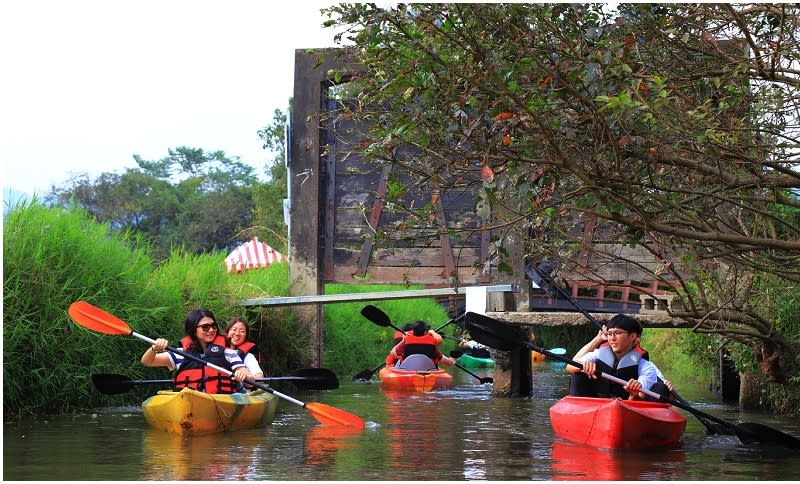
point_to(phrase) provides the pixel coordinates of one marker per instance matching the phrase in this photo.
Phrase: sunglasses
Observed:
(207, 327)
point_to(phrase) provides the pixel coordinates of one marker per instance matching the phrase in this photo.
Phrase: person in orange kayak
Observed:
(237, 331)
(615, 351)
(398, 335)
(420, 340)
(201, 340)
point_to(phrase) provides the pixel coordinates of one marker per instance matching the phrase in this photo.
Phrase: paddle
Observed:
(496, 334)
(96, 319)
(305, 379)
(455, 354)
(380, 318)
(541, 275)
(366, 375)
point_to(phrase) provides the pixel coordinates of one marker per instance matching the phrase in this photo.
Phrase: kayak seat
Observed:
(417, 362)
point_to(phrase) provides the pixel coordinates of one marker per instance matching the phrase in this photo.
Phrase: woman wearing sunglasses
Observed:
(615, 351)
(204, 341)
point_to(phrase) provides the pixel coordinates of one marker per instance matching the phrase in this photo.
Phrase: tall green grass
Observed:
(353, 343)
(52, 258)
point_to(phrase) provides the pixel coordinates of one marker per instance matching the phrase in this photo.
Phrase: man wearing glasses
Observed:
(615, 351)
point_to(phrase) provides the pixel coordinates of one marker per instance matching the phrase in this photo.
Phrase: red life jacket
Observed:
(249, 347)
(419, 345)
(200, 377)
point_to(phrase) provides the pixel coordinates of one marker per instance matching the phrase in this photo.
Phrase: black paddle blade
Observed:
(493, 333)
(315, 379)
(111, 384)
(752, 432)
(376, 315)
(456, 354)
(366, 375)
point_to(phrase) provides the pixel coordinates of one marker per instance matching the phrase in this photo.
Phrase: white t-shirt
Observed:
(251, 362)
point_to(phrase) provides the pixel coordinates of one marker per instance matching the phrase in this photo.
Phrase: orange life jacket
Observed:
(397, 337)
(200, 377)
(419, 345)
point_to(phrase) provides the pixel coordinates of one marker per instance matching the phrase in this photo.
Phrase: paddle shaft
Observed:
(569, 298)
(220, 369)
(473, 374)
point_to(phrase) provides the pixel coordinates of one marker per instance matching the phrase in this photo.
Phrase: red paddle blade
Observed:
(96, 319)
(327, 415)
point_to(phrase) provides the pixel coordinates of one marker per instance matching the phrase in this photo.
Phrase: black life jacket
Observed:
(200, 377)
(626, 368)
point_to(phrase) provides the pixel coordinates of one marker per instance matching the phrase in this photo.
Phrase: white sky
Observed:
(85, 84)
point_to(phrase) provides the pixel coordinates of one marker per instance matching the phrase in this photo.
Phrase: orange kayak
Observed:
(613, 423)
(417, 373)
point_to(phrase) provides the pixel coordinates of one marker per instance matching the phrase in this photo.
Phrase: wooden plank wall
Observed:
(354, 189)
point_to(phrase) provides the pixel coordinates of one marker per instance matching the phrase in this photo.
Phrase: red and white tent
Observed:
(250, 255)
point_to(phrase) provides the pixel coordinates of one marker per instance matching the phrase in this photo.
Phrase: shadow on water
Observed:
(458, 434)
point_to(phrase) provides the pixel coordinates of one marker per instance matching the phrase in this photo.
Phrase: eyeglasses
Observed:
(614, 334)
(207, 327)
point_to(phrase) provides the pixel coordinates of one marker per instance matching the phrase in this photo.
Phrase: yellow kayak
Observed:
(189, 412)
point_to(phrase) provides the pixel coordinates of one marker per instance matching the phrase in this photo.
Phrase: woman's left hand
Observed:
(241, 374)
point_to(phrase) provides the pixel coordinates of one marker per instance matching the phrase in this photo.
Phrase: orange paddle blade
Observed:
(96, 319)
(327, 415)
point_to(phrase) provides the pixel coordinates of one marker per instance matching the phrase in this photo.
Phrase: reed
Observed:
(52, 258)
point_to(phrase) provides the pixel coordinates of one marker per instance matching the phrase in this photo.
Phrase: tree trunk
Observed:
(750, 386)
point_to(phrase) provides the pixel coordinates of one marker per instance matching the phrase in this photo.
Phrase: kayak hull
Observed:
(469, 361)
(397, 379)
(613, 423)
(189, 412)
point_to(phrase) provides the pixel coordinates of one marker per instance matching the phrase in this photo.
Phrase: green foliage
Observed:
(679, 361)
(353, 343)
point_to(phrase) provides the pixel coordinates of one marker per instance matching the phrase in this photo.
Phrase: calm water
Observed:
(459, 434)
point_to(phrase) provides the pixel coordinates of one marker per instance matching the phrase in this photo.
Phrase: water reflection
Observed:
(178, 458)
(323, 444)
(576, 462)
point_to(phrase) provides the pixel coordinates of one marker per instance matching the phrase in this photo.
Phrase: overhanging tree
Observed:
(674, 126)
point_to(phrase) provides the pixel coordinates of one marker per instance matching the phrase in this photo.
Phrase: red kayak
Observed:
(613, 423)
(417, 373)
